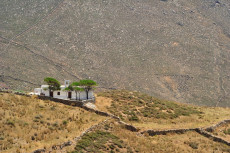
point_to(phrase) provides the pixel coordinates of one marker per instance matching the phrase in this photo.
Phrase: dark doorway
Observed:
(51, 94)
(70, 95)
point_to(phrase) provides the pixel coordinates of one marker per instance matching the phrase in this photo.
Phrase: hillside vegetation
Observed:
(28, 123)
(148, 112)
(171, 49)
(130, 106)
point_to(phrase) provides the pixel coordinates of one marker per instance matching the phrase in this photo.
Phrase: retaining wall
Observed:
(164, 132)
(63, 101)
(210, 136)
(128, 126)
(14, 92)
(213, 127)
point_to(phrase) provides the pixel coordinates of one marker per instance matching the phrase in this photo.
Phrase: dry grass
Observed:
(188, 142)
(209, 117)
(191, 117)
(29, 123)
(223, 131)
(103, 103)
(170, 143)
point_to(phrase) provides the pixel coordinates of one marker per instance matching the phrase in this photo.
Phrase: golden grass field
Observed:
(29, 123)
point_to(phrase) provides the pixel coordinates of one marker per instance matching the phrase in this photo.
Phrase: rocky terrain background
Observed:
(173, 49)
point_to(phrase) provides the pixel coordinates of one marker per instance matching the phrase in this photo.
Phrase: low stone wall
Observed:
(80, 104)
(198, 130)
(63, 101)
(213, 127)
(210, 136)
(164, 132)
(128, 126)
(14, 92)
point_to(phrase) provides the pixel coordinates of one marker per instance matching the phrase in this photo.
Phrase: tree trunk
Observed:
(87, 94)
(76, 95)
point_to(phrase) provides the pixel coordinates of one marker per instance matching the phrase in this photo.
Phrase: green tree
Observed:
(88, 85)
(76, 87)
(53, 84)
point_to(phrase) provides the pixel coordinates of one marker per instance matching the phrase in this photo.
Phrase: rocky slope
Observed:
(171, 49)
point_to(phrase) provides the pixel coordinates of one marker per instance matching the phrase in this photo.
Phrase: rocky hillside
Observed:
(173, 49)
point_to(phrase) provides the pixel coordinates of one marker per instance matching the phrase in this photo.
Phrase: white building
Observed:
(62, 94)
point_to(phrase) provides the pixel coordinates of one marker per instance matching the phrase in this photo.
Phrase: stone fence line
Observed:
(213, 127)
(164, 132)
(211, 136)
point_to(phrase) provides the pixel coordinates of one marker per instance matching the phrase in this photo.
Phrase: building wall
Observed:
(46, 92)
(64, 94)
(82, 95)
(37, 91)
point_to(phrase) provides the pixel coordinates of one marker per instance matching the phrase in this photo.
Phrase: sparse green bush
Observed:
(95, 141)
(10, 122)
(227, 131)
(193, 145)
(64, 122)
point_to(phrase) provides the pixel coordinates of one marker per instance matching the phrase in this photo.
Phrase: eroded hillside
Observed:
(173, 49)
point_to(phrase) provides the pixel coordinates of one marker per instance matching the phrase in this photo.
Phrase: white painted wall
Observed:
(46, 92)
(37, 91)
(63, 94)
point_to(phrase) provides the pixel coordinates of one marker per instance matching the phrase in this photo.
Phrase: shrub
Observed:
(94, 141)
(193, 145)
(10, 122)
(227, 131)
(64, 122)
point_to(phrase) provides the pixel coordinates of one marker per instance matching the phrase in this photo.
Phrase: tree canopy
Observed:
(88, 83)
(75, 84)
(53, 83)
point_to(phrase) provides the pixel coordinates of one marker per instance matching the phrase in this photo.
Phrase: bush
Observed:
(10, 122)
(227, 131)
(193, 145)
(94, 141)
(64, 122)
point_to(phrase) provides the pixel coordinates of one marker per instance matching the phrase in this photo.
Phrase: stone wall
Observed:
(210, 136)
(80, 104)
(164, 132)
(128, 126)
(14, 92)
(198, 130)
(63, 101)
(213, 127)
